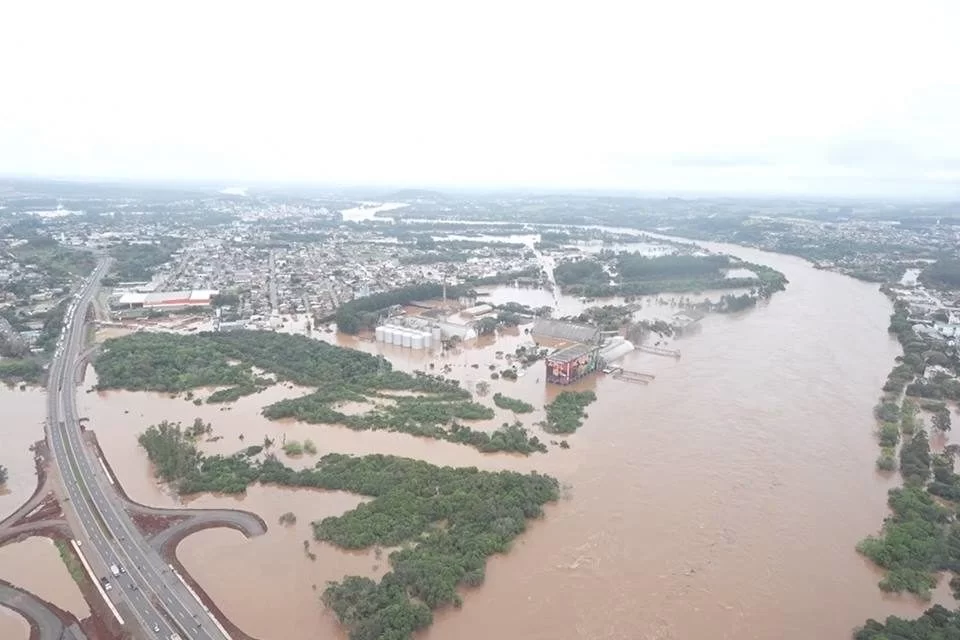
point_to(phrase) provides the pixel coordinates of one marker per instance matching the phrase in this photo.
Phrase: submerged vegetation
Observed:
(447, 521)
(937, 623)
(176, 363)
(513, 404)
(566, 413)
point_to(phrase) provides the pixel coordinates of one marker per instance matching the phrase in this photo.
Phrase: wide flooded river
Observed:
(723, 500)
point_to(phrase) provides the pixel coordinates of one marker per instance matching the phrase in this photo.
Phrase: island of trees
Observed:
(4, 475)
(513, 404)
(629, 274)
(566, 413)
(175, 363)
(446, 521)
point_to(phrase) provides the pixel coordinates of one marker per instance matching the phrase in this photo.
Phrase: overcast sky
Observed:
(819, 96)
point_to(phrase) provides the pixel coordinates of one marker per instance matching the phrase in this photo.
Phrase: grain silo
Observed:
(416, 340)
(407, 338)
(378, 332)
(397, 336)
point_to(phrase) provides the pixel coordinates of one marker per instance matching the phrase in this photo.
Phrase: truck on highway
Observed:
(115, 570)
(174, 636)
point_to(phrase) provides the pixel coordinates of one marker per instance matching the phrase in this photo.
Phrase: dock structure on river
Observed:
(659, 351)
(638, 377)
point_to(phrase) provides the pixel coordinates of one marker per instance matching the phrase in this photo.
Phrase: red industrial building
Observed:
(572, 363)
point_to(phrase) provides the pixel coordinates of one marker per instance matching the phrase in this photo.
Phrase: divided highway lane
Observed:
(160, 604)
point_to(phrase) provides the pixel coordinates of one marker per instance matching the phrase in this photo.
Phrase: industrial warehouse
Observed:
(167, 300)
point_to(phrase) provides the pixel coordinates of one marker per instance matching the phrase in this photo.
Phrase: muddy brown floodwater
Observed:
(22, 425)
(724, 500)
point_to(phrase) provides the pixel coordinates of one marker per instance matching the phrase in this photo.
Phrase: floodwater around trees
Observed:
(723, 500)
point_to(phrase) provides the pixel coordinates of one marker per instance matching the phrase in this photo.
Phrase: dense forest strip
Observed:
(922, 536)
(174, 363)
(447, 521)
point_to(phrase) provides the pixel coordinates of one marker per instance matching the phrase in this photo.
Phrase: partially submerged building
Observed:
(572, 363)
(578, 358)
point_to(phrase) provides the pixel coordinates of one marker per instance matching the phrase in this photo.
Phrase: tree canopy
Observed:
(174, 363)
(447, 521)
(566, 413)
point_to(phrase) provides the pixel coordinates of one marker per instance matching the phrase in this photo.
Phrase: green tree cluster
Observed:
(135, 262)
(4, 474)
(609, 317)
(173, 363)
(446, 520)
(937, 623)
(636, 274)
(507, 277)
(635, 266)
(513, 404)
(915, 459)
(566, 413)
(912, 544)
(57, 262)
(27, 370)
(52, 326)
(166, 362)
(942, 273)
(513, 438)
(231, 394)
(293, 448)
(581, 272)
(946, 483)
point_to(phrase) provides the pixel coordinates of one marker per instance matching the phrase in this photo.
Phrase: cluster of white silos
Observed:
(407, 337)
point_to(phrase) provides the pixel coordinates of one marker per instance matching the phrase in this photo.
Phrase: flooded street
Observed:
(724, 500)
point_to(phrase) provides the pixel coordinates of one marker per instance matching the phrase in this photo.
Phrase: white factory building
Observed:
(408, 337)
(165, 299)
(421, 333)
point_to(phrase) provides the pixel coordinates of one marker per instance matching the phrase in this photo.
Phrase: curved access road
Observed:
(47, 621)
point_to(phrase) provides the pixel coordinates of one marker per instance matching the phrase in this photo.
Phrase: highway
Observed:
(152, 600)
